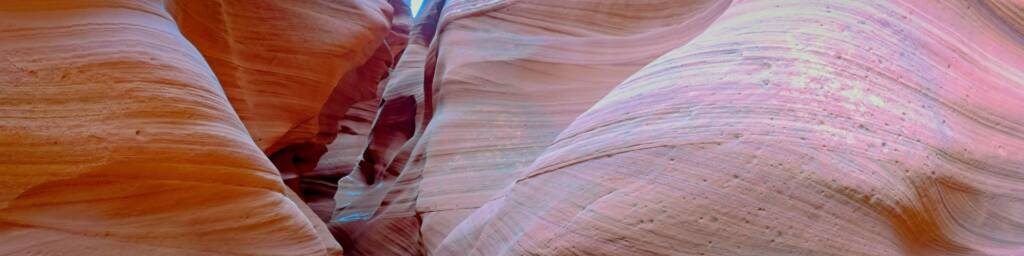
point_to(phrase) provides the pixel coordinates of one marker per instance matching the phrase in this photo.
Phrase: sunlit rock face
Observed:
(506, 90)
(512, 127)
(789, 127)
(703, 128)
(143, 127)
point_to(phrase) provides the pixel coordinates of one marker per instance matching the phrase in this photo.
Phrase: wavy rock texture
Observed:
(375, 214)
(783, 127)
(507, 82)
(279, 61)
(504, 89)
(346, 119)
(790, 127)
(509, 127)
(291, 87)
(117, 133)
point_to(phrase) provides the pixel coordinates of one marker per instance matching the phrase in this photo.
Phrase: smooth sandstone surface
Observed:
(374, 212)
(280, 61)
(507, 82)
(790, 127)
(353, 126)
(783, 127)
(291, 87)
(145, 125)
(503, 77)
(512, 127)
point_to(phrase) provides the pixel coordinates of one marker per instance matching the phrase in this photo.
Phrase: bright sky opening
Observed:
(414, 5)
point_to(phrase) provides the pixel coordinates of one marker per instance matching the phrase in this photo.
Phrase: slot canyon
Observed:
(512, 127)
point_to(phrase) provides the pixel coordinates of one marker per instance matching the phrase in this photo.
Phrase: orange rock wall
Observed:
(512, 127)
(145, 125)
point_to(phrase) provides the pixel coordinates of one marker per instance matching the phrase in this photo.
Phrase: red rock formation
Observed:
(291, 98)
(118, 134)
(510, 127)
(278, 77)
(353, 125)
(375, 213)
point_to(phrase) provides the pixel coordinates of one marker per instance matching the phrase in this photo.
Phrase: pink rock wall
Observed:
(705, 128)
(512, 127)
(853, 128)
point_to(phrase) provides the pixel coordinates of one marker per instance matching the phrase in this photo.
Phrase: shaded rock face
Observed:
(294, 99)
(279, 84)
(512, 127)
(374, 213)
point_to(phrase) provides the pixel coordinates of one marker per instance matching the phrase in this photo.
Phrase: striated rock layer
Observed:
(501, 91)
(700, 128)
(375, 214)
(121, 122)
(292, 87)
(280, 61)
(512, 127)
(344, 121)
(790, 127)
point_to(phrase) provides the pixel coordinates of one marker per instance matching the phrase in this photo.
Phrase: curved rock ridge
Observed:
(279, 61)
(122, 124)
(375, 214)
(344, 122)
(503, 89)
(376, 195)
(506, 81)
(291, 87)
(512, 127)
(790, 128)
(116, 134)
